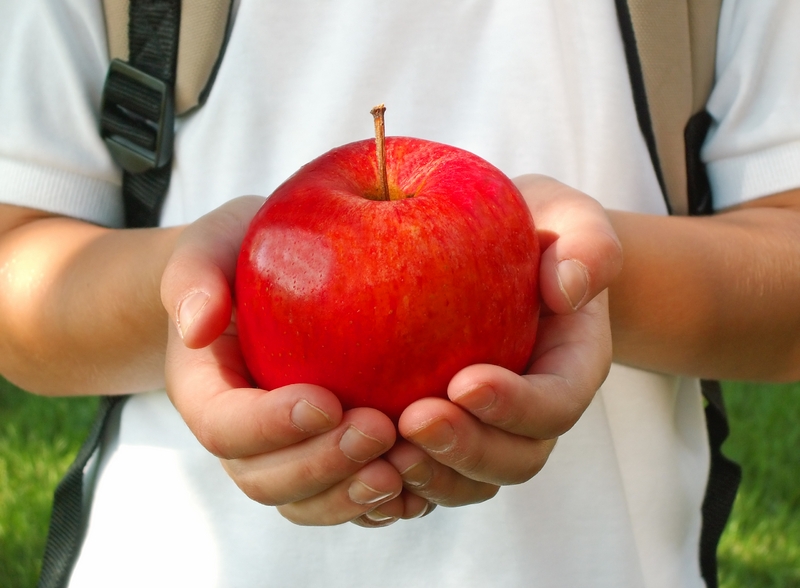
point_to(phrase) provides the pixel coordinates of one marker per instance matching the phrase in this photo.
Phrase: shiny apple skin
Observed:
(383, 302)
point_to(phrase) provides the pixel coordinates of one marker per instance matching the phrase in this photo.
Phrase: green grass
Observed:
(760, 547)
(38, 440)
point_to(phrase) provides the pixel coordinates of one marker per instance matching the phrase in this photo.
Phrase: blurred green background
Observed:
(760, 547)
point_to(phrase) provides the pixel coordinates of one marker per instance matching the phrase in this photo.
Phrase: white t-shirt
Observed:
(536, 86)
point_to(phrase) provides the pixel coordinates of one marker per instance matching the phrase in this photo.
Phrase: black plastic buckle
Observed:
(137, 118)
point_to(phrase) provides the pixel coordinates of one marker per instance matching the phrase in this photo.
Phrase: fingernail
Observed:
(573, 281)
(478, 398)
(360, 493)
(437, 436)
(308, 418)
(417, 475)
(360, 447)
(378, 517)
(188, 309)
(426, 509)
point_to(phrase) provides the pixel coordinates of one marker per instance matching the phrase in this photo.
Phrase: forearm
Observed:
(80, 311)
(714, 297)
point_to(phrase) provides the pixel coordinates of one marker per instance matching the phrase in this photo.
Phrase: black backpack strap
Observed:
(724, 475)
(138, 111)
(137, 123)
(723, 483)
(67, 519)
(651, 30)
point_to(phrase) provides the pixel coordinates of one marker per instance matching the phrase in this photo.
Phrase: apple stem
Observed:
(380, 146)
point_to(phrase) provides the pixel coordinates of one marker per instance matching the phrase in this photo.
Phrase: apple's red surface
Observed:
(382, 302)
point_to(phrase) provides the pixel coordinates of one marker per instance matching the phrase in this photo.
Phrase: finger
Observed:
(433, 482)
(570, 362)
(313, 466)
(479, 452)
(210, 389)
(350, 499)
(196, 284)
(404, 506)
(241, 422)
(581, 254)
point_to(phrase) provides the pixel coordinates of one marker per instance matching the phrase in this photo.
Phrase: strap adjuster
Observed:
(137, 118)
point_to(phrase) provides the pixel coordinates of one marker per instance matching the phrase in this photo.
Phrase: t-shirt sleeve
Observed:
(53, 60)
(753, 146)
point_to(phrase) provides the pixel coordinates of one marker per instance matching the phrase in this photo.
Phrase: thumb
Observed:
(581, 253)
(197, 282)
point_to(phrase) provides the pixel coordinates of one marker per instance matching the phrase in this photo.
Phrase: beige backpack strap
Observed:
(670, 46)
(676, 45)
(204, 28)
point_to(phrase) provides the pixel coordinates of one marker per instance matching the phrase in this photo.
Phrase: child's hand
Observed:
(500, 428)
(292, 447)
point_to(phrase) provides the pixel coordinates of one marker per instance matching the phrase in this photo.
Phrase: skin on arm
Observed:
(80, 315)
(335, 466)
(79, 305)
(713, 296)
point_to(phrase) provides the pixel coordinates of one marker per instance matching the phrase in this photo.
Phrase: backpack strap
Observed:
(67, 520)
(724, 478)
(670, 47)
(205, 27)
(155, 72)
(137, 115)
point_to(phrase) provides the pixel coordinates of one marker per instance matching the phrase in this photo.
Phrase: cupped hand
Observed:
(293, 447)
(498, 428)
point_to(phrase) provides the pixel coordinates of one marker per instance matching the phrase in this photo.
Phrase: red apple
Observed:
(383, 301)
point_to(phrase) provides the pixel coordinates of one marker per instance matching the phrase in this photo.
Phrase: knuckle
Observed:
(205, 432)
(267, 433)
(490, 491)
(473, 462)
(315, 477)
(525, 470)
(293, 514)
(252, 487)
(306, 515)
(511, 420)
(563, 422)
(572, 399)
(611, 245)
(474, 493)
